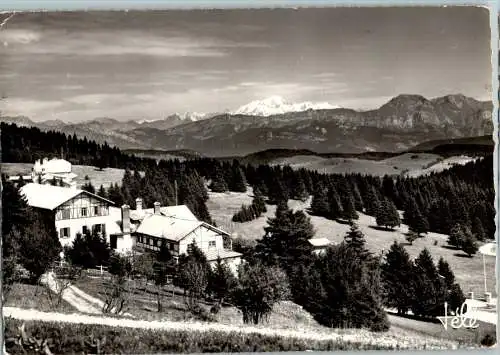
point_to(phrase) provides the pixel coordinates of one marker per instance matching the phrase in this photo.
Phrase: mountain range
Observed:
(399, 124)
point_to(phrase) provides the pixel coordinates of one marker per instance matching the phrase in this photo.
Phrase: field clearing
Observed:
(468, 271)
(392, 166)
(106, 177)
(408, 164)
(442, 165)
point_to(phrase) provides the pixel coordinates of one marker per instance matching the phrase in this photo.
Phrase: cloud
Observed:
(118, 43)
(20, 36)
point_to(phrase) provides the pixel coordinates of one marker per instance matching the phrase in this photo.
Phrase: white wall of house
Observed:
(79, 212)
(205, 239)
(124, 243)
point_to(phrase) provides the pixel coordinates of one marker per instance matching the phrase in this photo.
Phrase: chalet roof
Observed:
(223, 254)
(320, 242)
(177, 212)
(50, 197)
(170, 228)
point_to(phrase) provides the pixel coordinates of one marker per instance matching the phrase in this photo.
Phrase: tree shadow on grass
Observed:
(383, 229)
(414, 317)
(449, 247)
(462, 255)
(343, 221)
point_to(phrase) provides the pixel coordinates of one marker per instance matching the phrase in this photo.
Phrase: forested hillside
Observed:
(462, 195)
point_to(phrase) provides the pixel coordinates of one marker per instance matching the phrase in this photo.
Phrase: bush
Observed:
(489, 340)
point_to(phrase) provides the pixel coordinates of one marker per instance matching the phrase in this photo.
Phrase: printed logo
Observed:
(459, 320)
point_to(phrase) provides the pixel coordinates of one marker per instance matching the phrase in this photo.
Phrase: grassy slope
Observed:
(286, 316)
(35, 297)
(468, 271)
(413, 164)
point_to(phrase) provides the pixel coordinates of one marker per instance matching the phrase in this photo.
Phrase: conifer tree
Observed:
(397, 279)
(238, 181)
(418, 223)
(219, 183)
(432, 289)
(469, 245)
(259, 202)
(387, 215)
(349, 296)
(102, 192)
(348, 209)
(457, 236)
(221, 282)
(372, 202)
(286, 238)
(320, 204)
(445, 271)
(477, 229)
(299, 189)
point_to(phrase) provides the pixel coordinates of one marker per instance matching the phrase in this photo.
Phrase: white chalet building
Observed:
(177, 227)
(77, 211)
(46, 171)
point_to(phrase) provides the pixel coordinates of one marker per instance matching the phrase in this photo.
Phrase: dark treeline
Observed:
(462, 195)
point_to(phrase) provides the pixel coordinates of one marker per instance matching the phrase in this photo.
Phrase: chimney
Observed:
(138, 204)
(126, 219)
(157, 207)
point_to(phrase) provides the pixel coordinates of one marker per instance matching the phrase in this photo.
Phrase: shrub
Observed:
(489, 340)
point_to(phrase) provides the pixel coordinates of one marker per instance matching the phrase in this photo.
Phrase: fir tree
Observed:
(432, 289)
(286, 238)
(387, 215)
(445, 271)
(219, 183)
(469, 245)
(259, 202)
(348, 209)
(221, 282)
(238, 181)
(419, 223)
(320, 204)
(457, 236)
(477, 229)
(349, 296)
(397, 279)
(372, 202)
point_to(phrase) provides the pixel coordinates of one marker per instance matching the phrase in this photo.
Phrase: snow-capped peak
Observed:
(276, 105)
(189, 116)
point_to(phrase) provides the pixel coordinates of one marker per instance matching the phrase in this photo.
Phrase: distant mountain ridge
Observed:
(402, 123)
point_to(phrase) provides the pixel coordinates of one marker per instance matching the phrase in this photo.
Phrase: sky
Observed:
(150, 64)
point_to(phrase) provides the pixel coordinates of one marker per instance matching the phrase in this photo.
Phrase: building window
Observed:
(171, 245)
(96, 210)
(158, 243)
(211, 244)
(64, 232)
(151, 241)
(84, 211)
(66, 213)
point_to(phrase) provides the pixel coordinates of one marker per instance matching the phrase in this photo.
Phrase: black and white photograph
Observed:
(247, 180)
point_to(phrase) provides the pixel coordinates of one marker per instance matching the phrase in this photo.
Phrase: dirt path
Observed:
(358, 336)
(75, 297)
